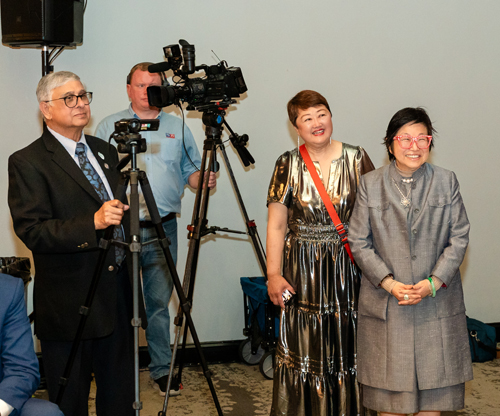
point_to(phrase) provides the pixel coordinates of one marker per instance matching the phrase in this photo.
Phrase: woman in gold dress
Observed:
(315, 363)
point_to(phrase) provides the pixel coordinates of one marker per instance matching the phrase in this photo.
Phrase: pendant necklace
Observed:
(405, 200)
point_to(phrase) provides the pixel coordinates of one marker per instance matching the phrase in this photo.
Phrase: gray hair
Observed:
(54, 80)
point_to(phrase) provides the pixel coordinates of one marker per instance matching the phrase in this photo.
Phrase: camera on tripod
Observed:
(217, 89)
(127, 132)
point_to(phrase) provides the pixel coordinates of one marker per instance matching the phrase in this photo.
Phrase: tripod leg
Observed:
(196, 232)
(135, 249)
(251, 227)
(179, 319)
(185, 305)
(84, 312)
(156, 220)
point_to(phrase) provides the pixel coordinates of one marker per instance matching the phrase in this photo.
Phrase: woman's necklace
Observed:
(405, 200)
(407, 178)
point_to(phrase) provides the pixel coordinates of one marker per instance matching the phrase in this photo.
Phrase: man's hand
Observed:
(193, 179)
(212, 180)
(110, 213)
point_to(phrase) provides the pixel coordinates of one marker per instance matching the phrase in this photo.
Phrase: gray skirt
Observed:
(441, 399)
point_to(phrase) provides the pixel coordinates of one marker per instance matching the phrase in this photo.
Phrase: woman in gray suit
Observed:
(409, 232)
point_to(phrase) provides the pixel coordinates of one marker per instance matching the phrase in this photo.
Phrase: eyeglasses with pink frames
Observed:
(406, 141)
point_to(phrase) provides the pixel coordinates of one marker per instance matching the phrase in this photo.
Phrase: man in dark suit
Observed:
(19, 376)
(61, 201)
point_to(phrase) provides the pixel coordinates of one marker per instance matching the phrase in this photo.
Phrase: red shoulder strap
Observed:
(326, 200)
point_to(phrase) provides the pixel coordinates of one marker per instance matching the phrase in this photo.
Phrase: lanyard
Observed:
(326, 200)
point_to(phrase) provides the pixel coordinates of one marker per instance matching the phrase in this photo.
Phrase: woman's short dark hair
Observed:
(407, 115)
(304, 100)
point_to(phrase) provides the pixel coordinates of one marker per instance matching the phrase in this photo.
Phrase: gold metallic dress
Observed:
(315, 365)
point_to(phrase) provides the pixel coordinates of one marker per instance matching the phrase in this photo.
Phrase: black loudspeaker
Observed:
(42, 22)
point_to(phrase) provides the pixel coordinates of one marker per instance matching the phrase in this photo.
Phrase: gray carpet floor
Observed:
(243, 391)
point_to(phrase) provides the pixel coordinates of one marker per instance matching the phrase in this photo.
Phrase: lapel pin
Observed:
(100, 155)
(106, 166)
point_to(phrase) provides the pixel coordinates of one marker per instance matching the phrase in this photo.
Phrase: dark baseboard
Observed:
(214, 352)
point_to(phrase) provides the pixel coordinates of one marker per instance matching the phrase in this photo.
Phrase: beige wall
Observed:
(369, 58)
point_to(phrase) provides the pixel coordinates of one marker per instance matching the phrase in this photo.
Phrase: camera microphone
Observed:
(159, 67)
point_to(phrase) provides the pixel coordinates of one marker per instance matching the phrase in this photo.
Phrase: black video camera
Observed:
(134, 125)
(217, 89)
(127, 132)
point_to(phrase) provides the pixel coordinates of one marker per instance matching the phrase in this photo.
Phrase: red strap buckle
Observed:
(340, 229)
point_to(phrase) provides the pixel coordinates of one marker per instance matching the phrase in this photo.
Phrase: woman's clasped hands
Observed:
(411, 294)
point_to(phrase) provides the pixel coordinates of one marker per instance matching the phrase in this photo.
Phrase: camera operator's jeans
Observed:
(157, 286)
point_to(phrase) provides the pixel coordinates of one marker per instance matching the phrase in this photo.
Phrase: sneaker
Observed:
(161, 385)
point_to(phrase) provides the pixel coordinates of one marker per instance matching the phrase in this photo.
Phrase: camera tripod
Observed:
(134, 144)
(213, 119)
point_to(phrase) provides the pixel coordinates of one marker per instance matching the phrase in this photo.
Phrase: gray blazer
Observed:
(429, 340)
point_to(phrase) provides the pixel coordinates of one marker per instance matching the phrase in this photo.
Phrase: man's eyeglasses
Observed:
(72, 100)
(406, 141)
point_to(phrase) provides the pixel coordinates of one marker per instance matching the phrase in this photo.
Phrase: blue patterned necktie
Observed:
(96, 181)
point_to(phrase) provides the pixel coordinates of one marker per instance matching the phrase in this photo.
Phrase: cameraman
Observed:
(171, 161)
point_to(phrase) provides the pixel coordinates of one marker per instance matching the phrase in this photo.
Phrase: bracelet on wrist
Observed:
(433, 288)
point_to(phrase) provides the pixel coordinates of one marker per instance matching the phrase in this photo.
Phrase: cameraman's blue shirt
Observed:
(165, 161)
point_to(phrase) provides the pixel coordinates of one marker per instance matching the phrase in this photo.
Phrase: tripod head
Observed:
(213, 119)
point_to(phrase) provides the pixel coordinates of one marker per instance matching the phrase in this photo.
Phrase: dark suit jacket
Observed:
(52, 206)
(19, 377)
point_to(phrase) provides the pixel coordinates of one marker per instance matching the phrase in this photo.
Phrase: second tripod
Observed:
(213, 119)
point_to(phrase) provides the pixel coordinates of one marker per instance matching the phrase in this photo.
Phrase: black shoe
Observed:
(161, 385)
